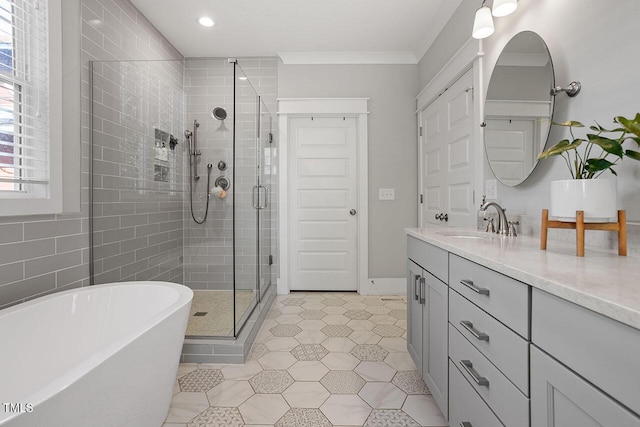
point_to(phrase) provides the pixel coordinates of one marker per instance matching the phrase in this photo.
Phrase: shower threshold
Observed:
(227, 349)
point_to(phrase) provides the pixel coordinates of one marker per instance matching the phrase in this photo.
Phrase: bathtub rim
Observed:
(66, 379)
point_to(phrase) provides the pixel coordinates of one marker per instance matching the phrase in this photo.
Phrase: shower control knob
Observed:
(352, 212)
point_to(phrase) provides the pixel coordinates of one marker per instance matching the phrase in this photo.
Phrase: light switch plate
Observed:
(491, 189)
(386, 194)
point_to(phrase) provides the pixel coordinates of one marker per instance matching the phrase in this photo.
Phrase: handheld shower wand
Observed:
(193, 162)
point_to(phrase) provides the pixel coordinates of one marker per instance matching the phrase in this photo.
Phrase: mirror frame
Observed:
(544, 142)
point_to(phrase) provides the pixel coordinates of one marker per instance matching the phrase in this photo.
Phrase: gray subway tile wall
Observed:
(47, 253)
(209, 246)
(37, 240)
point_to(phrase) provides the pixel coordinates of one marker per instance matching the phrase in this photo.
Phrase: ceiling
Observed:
(399, 30)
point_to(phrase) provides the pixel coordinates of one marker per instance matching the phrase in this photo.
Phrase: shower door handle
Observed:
(256, 196)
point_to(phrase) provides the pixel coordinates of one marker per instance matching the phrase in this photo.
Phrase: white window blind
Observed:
(28, 147)
(24, 101)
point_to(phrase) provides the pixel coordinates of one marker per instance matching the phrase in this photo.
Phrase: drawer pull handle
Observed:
(415, 287)
(466, 424)
(480, 336)
(468, 366)
(423, 282)
(469, 284)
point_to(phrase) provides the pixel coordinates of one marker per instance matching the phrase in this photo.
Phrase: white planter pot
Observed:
(596, 197)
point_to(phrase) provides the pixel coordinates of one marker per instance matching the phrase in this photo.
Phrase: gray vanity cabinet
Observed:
(517, 356)
(560, 398)
(585, 368)
(427, 305)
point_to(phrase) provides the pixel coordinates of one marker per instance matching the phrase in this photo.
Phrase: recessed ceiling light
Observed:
(205, 21)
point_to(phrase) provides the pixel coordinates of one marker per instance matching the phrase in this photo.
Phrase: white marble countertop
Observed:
(601, 281)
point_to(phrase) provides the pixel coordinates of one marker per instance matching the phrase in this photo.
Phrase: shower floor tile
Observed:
(217, 306)
(324, 360)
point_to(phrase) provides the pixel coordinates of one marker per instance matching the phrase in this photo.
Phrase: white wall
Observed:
(590, 41)
(392, 145)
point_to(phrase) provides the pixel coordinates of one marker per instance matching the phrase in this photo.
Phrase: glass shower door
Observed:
(265, 255)
(245, 214)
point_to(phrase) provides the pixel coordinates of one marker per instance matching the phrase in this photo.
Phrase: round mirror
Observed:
(518, 108)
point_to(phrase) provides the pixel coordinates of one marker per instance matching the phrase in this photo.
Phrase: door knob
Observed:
(352, 212)
(445, 217)
(439, 217)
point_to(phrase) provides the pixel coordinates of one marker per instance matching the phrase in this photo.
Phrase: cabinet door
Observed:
(435, 349)
(560, 398)
(414, 313)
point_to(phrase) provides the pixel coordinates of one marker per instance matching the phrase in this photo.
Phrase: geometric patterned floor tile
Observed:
(271, 381)
(343, 382)
(312, 314)
(293, 301)
(370, 352)
(338, 330)
(398, 314)
(257, 351)
(319, 359)
(410, 382)
(309, 352)
(291, 330)
(346, 410)
(373, 301)
(201, 380)
(358, 314)
(298, 417)
(390, 418)
(333, 301)
(385, 331)
(218, 417)
(378, 310)
(382, 395)
(308, 370)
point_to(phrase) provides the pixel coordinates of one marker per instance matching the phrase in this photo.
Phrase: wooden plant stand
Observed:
(580, 226)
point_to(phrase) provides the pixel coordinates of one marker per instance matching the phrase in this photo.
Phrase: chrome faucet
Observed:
(503, 227)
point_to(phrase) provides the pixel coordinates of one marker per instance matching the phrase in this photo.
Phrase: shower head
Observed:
(219, 113)
(188, 133)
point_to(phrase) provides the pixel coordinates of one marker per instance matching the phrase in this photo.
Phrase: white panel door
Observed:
(323, 193)
(447, 156)
(458, 105)
(509, 144)
(433, 162)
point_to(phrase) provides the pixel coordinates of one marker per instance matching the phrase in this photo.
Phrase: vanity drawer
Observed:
(504, 298)
(466, 408)
(504, 398)
(503, 347)
(429, 257)
(603, 351)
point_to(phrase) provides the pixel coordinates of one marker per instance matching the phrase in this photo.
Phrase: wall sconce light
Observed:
(483, 22)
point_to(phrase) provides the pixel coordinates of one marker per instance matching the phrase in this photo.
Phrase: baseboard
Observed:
(281, 287)
(377, 286)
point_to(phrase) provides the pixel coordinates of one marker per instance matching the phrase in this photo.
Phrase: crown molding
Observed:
(347, 58)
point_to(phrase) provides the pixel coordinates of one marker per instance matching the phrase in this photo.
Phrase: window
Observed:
(30, 142)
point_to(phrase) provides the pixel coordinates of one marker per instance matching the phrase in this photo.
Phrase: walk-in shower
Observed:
(153, 217)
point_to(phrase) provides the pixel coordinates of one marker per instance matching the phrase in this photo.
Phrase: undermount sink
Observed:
(467, 234)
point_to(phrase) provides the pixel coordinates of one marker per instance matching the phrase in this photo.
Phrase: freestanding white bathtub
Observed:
(103, 355)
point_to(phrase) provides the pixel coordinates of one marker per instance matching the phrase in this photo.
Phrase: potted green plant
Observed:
(597, 198)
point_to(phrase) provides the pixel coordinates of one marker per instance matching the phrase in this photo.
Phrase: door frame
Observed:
(322, 107)
(469, 57)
